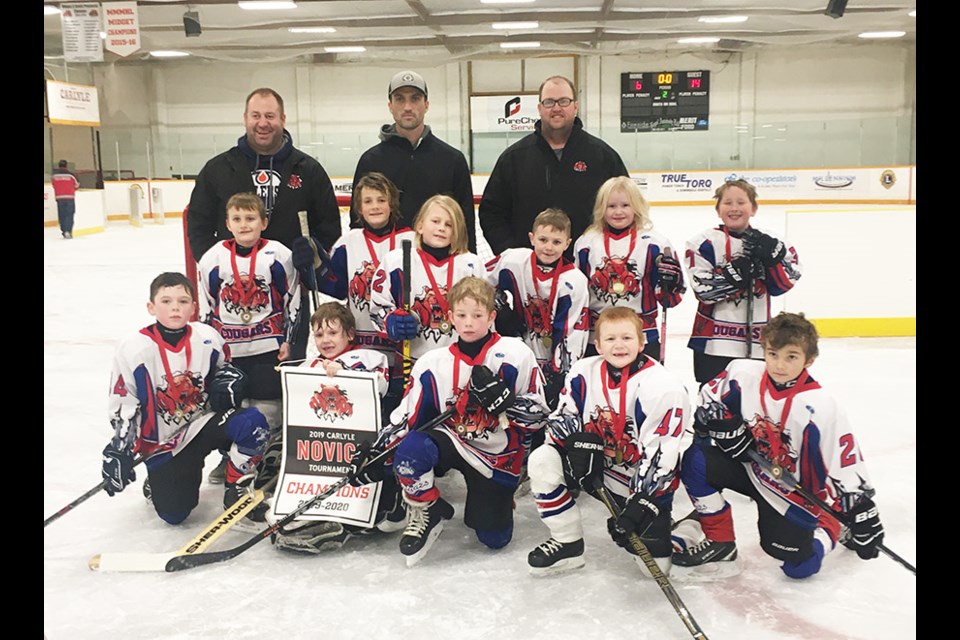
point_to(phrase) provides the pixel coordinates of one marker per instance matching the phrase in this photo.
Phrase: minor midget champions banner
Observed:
(324, 420)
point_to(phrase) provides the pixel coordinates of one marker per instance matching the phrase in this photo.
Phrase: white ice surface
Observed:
(95, 290)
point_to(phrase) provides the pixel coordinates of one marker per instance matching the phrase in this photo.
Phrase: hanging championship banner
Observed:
(121, 23)
(80, 24)
(324, 420)
(72, 104)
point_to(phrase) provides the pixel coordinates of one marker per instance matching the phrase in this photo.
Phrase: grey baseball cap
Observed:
(407, 79)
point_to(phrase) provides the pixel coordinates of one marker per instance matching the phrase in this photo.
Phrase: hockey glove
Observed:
(739, 271)
(117, 469)
(304, 257)
(489, 391)
(228, 388)
(636, 517)
(670, 274)
(584, 458)
(762, 247)
(401, 326)
(728, 431)
(361, 470)
(509, 322)
(866, 532)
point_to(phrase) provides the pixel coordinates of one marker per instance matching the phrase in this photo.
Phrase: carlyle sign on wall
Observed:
(511, 112)
(121, 22)
(75, 104)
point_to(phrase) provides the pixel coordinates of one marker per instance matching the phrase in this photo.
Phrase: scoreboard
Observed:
(665, 101)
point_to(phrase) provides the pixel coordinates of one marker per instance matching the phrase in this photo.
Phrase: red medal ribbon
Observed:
(251, 286)
(441, 298)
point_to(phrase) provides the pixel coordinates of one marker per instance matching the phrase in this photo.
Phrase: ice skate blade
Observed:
(560, 566)
(709, 572)
(431, 538)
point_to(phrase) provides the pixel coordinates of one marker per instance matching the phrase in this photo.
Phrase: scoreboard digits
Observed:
(665, 101)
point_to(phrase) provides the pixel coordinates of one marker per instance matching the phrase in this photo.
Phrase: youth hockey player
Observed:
(496, 388)
(173, 399)
(626, 263)
(550, 299)
(619, 424)
(253, 301)
(722, 262)
(440, 259)
(355, 258)
(335, 335)
(777, 409)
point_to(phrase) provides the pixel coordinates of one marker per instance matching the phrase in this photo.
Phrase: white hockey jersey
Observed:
(554, 304)
(357, 359)
(641, 419)
(430, 281)
(356, 257)
(720, 326)
(253, 314)
(801, 428)
(158, 393)
(622, 271)
(441, 379)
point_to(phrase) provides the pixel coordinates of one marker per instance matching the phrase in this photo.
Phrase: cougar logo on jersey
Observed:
(472, 421)
(537, 312)
(772, 442)
(359, 286)
(183, 397)
(430, 315)
(331, 403)
(622, 449)
(615, 278)
(238, 297)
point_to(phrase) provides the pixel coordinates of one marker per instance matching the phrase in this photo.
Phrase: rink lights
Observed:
(266, 5)
(506, 1)
(169, 54)
(312, 30)
(913, 14)
(706, 40)
(50, 10)
(722, 19)
(519, 45)
(882, 34)
(344, 49)
(515, 25)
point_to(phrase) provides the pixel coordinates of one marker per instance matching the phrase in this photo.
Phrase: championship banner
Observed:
(76, 104)
(122, 25)
(80, 25)
(324, 420)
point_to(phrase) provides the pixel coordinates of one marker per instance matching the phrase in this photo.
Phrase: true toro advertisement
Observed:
(324, 420)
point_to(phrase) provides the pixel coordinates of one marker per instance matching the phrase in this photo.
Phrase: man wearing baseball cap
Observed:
(418, 162)
(65, 185)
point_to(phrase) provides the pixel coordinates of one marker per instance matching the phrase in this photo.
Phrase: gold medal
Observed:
(618, 288)
(246, 316)
(444, 327)
(619, 456)
(547, 342)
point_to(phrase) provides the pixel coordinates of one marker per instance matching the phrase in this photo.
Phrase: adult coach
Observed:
(65, 186)
(265, 162)
(418, 162)
(557, 165)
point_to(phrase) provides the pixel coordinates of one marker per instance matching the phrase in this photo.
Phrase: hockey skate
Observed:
(554, 556)
(424, 526)
(395, 519)
(256, 519)
(147, 491)
(219, 473)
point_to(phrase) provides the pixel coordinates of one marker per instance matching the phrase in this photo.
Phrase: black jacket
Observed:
(303, 185)
(528, 178)
(433, 167)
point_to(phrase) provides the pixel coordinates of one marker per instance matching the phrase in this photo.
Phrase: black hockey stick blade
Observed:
(658, 575)
(180, 563)
(791, 483)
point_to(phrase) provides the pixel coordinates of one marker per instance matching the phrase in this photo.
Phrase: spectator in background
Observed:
(413, 158)
(557, 165)
(65, 186)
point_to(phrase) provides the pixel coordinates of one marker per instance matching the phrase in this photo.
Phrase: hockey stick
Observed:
(233, 514)
(663, 321)
(86, 496)
(179, 563)
(305, 232)
(407, 364)
(750, 316)
(661, 578)
(778, 473)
